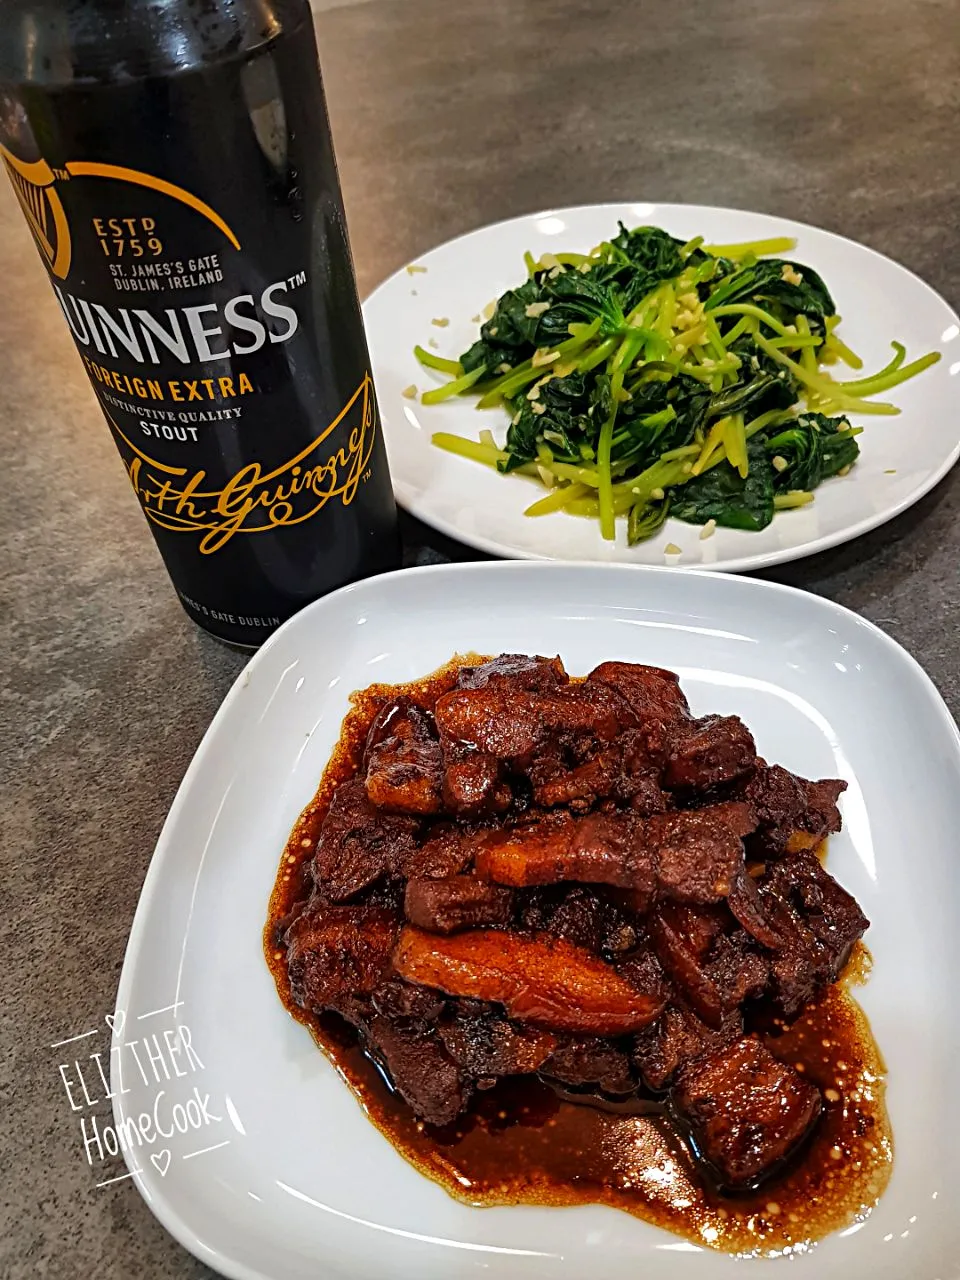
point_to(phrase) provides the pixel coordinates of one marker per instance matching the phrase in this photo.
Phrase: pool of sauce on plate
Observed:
(529, 1142)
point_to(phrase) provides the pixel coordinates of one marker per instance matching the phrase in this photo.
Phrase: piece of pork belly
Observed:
(405, 1002)
(336, 954)
(584, 916)
(506, 724)
(696, 755)
(555, 782)
(684, 967)
(746, 1111)
(653, 693)
(403, 770)
(447, 851)
(819, 923)
(510, 724)
(821, 815)
(487, 1045)
(708, 753)
(589, 1062)
(421, 1069)
(473, 782)
(455, 903)
(621, 770)
(747, 905)
(831, 913)
(677, 1037)
(514, 670)
(689, 855)
(643, 970)
(792, 812)
(699, 852)
(358, 844)
(714, 974)
(538, 979)
(596, 849)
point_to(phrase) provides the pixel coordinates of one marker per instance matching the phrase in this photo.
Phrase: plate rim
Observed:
(159, 1205)
(738, 564)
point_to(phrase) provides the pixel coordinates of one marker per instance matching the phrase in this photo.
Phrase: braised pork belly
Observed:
(576, 881)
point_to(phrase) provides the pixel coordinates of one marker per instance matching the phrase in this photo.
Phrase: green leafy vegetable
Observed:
(813, 448)
(722, 494)
(655, 377)
(778, 285)
(645, 519)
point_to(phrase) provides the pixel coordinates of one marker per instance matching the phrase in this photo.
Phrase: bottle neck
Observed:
(58, 43)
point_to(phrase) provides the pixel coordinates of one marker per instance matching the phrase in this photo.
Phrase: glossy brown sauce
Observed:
(529, 1142)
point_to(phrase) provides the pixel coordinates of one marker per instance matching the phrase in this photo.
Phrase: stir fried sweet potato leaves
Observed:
(653, 377)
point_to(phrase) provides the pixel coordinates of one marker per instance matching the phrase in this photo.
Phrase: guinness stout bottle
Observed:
(174, 162)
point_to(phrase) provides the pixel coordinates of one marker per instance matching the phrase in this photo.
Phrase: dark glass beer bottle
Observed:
(174, 162)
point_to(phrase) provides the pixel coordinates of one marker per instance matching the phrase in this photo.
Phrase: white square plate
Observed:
(287, 1178)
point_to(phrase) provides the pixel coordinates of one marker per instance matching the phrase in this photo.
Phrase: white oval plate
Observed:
(291, 1181)
(901, 459)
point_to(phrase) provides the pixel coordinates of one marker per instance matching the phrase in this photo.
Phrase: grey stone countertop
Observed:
(447, 115)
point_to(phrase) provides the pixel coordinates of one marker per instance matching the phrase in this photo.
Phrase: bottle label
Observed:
(128, 349)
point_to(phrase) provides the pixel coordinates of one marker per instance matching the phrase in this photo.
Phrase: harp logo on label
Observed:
(169, 1115)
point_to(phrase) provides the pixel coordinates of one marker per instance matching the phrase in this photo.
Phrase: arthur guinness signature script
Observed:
(252, 500)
